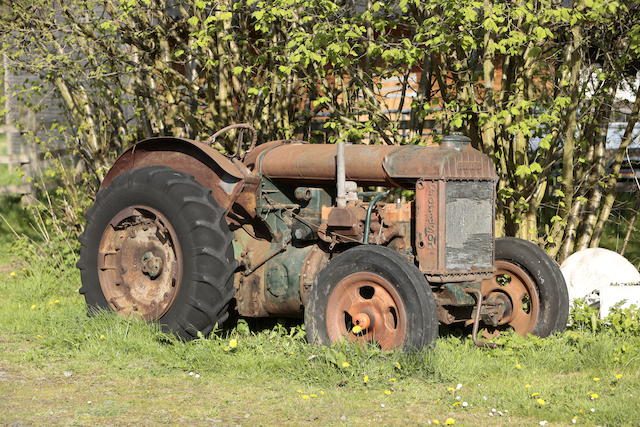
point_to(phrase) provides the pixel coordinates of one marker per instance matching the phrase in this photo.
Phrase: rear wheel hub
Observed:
(511, 300)
(139, 263)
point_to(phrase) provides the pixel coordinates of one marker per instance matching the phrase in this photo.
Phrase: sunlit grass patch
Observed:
(533, 379)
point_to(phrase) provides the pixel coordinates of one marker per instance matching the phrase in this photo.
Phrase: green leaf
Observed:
(193, 21)
(523, 171)
(535, 167)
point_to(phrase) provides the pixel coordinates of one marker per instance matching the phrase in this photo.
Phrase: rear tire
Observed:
(156, 245)
(524, 268)
(375, 288)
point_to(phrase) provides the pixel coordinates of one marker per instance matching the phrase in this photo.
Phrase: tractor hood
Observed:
(375, 164)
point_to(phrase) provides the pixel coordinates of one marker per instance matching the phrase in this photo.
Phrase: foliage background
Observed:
(532, 83)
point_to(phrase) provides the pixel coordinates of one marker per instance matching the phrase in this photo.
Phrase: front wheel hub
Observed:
(370, 302)
(362, 320)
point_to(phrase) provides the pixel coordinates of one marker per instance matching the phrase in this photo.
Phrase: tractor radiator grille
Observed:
(469, 225)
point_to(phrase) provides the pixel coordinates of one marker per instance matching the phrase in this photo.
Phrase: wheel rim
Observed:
(515, 290)
(139, 263)
(371, 302)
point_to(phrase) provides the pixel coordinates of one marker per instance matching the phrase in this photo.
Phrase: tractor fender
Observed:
(208, 166)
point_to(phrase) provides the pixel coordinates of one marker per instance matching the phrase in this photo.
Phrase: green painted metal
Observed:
(282, 276)
(367, 222)
(457, 291)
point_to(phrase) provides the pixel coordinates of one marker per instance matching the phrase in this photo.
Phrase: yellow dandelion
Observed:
(434, 421)
(322, 393)
(535, 394)
(298, 391)
(233, 343)
(313, 395)
(518, 366)
(450, 421)
(594, 396)
(392, 380)
(456, 404)
(39, 336)
(540, 402)
(33, 307)
(356, 329)
(305, 396)
(581, 411)
(397, 365)
(13, 274)
(451, 389)
(527, 386)
(387, 392)
(102, 337)
(365, 379)
(596, 379)
(346, 364)
(618, 376)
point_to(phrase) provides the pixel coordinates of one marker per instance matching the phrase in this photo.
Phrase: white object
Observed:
(593, 269)
(612, 295)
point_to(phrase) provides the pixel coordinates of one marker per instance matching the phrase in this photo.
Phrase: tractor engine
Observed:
(447, 231)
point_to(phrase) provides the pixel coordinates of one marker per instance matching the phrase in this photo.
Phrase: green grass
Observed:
(131, 373)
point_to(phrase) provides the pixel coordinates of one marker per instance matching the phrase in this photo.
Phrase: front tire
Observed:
(376, 290)
(157, 246)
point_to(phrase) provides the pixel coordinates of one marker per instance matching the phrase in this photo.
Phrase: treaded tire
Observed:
(549, 281)
(208, 264)
(410, 284)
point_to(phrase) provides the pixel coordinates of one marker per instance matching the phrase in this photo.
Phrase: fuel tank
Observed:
(375, 164)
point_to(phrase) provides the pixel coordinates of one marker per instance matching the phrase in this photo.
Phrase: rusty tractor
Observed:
(183, 235)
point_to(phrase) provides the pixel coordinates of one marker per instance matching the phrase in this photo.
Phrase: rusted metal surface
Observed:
(313, 264)
(511, 299)
(370, 302)
(476, 321)
(377, 164)
(251, 158)
(317, 163)
(276, 276)
(428, 225)
(250, 290)
(140, 263)
(346, 219)
(239, 140)
(342, 225)
(205, 164)
(438, 162)
(436, 246)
